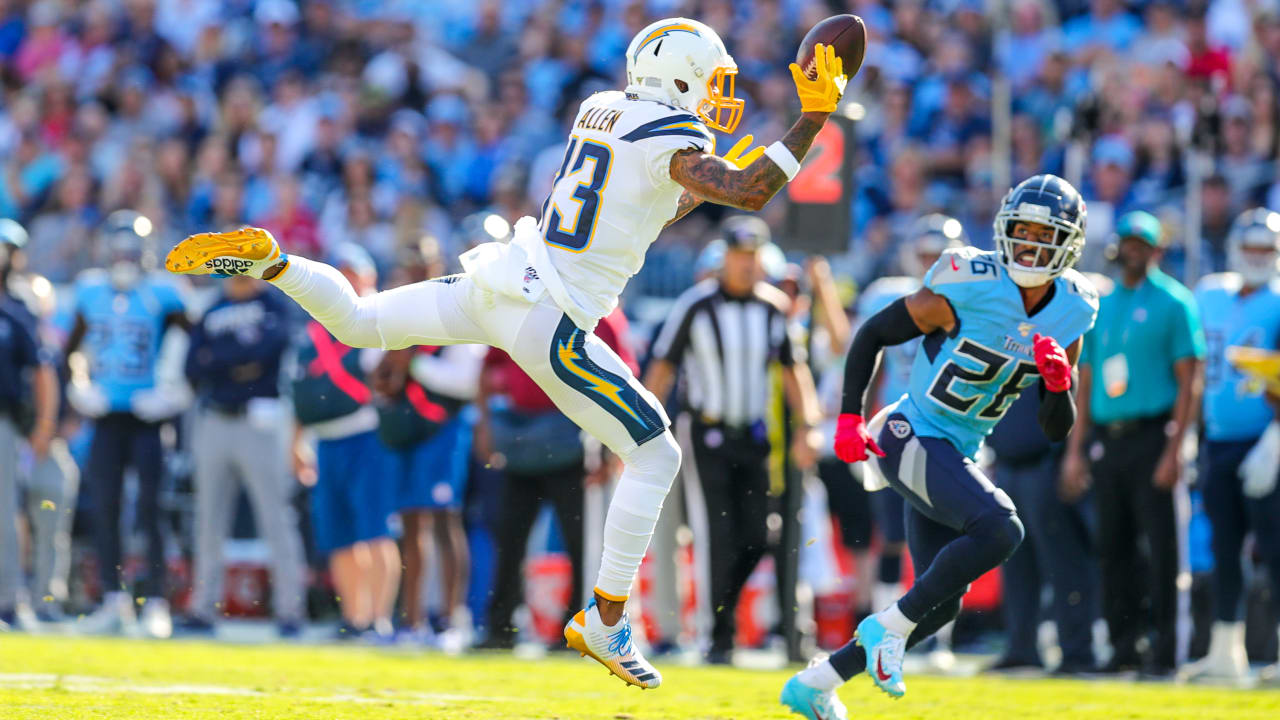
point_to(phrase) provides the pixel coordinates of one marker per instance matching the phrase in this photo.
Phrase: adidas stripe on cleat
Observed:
(611, 647)
(248, 251)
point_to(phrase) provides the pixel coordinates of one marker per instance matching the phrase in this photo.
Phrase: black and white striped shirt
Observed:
(724, 346)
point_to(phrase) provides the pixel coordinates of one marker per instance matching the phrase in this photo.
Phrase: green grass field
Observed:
(63, 678)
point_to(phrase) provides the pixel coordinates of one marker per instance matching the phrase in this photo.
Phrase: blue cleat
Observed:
(884, 655)
(812, 703)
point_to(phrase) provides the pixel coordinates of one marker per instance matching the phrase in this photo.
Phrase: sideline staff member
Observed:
(1139, 386)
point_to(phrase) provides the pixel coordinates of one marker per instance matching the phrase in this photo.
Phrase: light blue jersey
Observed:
(896, 360)
(124, 330)
(1234, 408)
(962, 382)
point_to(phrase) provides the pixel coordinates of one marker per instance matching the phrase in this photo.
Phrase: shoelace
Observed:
(891, 656)
(620, 641)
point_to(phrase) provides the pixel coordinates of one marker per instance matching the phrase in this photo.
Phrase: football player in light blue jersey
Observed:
(1238, 308)
(929, 237)
(121, 315)
(992, 323)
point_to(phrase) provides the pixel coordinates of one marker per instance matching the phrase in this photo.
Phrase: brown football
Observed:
(846, 33)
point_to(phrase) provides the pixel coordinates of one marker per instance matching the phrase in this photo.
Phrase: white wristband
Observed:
(781, 156)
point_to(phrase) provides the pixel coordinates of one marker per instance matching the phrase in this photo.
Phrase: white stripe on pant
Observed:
(51, 493)
(228, 448)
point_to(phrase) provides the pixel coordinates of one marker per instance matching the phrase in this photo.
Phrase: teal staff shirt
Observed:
(1140, 334)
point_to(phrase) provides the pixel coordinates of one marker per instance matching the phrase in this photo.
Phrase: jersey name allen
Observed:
(599, 119)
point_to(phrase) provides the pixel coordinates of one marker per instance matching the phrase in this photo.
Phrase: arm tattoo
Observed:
(712, 178)
(688, 201)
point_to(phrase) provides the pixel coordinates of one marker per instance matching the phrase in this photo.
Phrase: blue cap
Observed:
(1113, 150)
(12, 233)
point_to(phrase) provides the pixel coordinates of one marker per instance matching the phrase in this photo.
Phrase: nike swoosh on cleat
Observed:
(880, 673)
(815, 712)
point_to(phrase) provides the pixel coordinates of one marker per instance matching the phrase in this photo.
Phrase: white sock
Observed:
(327, 296)
(894, 621)
(647, 474)
(821, 676)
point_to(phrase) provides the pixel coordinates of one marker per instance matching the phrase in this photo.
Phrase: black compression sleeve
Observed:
(1057, 412)
(891, 326)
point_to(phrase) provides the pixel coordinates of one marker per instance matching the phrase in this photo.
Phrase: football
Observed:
(846, 33)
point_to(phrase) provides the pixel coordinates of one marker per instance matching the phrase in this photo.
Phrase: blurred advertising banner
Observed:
(820, 214)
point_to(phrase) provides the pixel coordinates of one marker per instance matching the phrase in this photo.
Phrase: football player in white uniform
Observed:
(637, 160)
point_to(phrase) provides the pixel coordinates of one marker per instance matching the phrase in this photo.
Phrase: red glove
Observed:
(853, 440)
(1051, 361)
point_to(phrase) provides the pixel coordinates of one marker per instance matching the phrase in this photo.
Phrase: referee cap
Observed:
(745, 232)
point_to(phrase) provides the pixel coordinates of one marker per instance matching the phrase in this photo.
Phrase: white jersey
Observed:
(611, 198)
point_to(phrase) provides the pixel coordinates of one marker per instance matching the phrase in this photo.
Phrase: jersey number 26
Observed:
(581, 186)
(991, 363)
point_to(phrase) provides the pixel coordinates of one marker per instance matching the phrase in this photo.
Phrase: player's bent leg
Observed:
(948, 489)
(593, 386)
(648, 471)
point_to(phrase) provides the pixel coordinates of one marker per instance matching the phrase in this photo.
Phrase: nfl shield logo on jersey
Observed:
(900, 428)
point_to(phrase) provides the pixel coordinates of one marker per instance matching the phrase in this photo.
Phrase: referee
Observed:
(722, 338)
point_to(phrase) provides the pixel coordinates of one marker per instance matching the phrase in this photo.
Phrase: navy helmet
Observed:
(1044, 200)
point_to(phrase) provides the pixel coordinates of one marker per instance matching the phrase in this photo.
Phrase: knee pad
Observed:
(647, 474)
(1001, 532)
(656, 461)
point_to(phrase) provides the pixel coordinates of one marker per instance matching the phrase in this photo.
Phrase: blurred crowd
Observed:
(388, 137)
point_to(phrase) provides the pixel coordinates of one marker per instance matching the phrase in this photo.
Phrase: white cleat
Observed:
(1226, 659)
(115, 616)
(611, 647)
(248, 251)
(155, 620)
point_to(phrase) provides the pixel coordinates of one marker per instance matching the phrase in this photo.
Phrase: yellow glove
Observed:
(735, 156)
(823, 92)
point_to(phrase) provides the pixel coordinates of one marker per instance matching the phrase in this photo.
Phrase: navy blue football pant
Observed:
(121, 440)
(958, 526)
(1058, 551)
(1232, 516)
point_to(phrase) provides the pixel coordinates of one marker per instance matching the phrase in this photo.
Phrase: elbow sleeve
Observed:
(891, 326)
(1057, 413)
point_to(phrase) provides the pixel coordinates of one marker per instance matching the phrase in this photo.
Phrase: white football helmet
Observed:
(682, 62)
(1253, 246)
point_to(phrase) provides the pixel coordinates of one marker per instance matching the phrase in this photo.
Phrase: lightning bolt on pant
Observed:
(586, 380)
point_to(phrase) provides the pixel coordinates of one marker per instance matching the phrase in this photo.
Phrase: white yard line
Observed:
(89, 684)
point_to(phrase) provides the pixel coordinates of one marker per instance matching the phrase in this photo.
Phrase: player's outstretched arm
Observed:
(714, 179)
(917, 314)
(717, 180)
